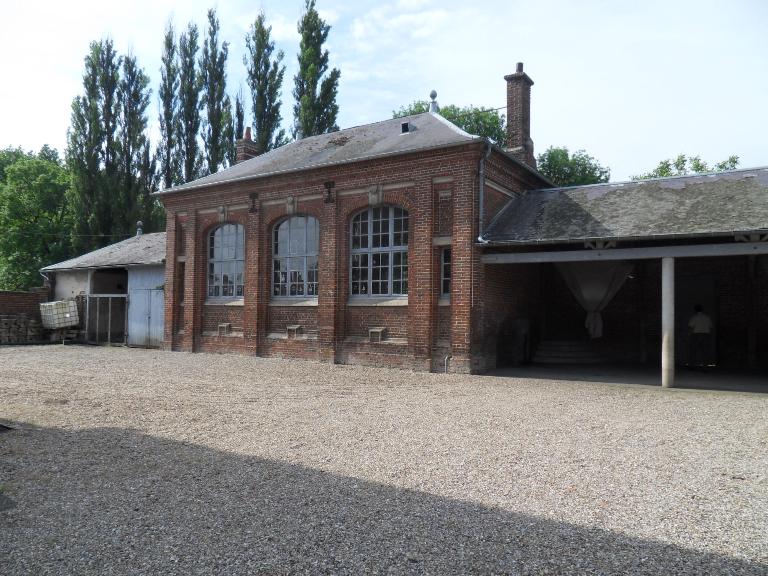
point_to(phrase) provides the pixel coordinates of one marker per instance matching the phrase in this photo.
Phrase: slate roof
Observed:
(717, 204)
(143, 250)
(427, 130)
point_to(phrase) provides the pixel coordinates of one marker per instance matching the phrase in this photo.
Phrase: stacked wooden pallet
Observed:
(19, 329)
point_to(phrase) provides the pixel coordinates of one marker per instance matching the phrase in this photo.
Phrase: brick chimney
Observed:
(245, 147)
(519, 142)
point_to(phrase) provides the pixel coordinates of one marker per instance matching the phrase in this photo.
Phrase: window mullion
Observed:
(369, 279)
(391, 258)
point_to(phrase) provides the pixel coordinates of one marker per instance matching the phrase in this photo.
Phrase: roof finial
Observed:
(139, 228)
(433, 106)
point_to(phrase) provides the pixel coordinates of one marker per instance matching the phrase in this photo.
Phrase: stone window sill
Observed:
(224, 302)
(293, 302)
(444, 301)
(385, 301)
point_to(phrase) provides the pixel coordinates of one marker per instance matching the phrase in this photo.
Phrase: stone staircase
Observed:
(567, 352)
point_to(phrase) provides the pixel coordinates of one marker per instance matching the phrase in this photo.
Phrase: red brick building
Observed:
(411, 243)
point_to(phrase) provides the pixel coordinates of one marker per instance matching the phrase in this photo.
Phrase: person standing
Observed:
(700, 327)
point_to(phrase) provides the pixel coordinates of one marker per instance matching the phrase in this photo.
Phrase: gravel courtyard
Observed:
(145, 462)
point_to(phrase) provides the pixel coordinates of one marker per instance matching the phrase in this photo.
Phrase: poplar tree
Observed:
(136, 163)
(239, 115)
(92, 148)
(265, 78)
(169, 107)
(315, 91)
(188, 146)
(108, 151)
(236, 127)
(213, 79)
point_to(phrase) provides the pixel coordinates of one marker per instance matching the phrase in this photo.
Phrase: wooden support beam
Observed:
(646, 253)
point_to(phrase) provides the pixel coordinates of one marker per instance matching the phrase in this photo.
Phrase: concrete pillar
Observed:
(667, 322)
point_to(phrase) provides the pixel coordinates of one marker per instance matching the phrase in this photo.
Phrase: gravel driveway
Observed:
(146, 462)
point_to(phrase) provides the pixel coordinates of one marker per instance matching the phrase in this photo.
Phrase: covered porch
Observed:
(643, 304)
(644, 279)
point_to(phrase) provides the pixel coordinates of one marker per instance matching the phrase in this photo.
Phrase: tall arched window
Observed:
(294, 265)
(379, 243)
(226, 251)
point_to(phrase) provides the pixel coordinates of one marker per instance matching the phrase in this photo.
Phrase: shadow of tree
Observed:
(112, 500)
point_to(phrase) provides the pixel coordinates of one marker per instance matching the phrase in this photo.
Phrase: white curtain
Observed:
(594, 284)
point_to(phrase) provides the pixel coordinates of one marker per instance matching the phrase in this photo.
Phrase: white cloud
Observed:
(283, 29)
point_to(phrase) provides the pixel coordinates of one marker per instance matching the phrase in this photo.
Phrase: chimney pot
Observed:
(519, 67)
(247, 135)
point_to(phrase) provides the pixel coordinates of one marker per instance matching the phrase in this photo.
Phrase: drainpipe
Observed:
(481, 191)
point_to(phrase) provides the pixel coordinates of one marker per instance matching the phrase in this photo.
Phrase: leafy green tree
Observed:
(92, 148)
(683, 165)
(236, 127)
(213, 80)
(169, 109)
(565, 169)
(486, 123)
(7, 157)
(190, 85)
(35, 217)
(315, 88)
(239, 115)
(228, 132)
(137, 165)
(265, 78)
(108, 152)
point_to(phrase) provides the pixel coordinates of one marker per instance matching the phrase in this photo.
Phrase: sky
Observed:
(630, 82)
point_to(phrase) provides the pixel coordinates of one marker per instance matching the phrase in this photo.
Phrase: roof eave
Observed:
(95, 267)
(635, 238)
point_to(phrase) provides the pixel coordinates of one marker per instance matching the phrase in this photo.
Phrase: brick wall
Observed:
(360, 319)
(213, 315)
(22, 303)
(439, 190)
(282, 316)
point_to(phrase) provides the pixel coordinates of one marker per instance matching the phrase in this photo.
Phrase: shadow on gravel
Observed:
(113, 500)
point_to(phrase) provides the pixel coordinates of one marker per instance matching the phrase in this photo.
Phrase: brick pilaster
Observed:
(194, 290)
(253, 293)
(329, 304)
(421, 289)
(171, 305)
